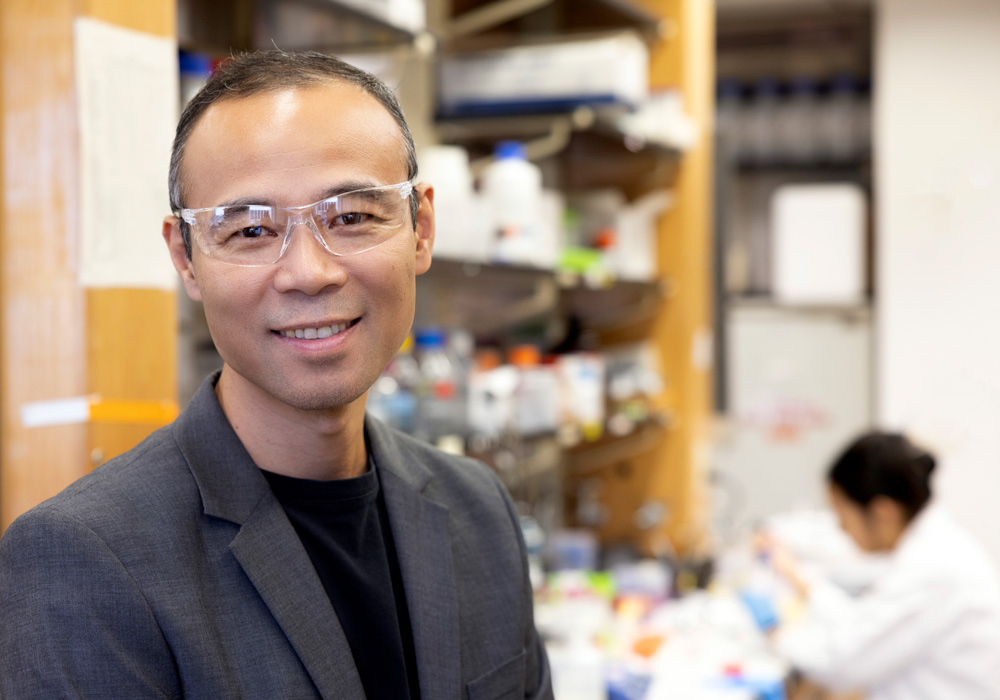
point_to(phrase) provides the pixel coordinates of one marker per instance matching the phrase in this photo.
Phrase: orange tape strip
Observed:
(115, 411)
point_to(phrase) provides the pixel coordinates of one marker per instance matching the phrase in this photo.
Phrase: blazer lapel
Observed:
(266, 546)
(273, 559)
(420, 531)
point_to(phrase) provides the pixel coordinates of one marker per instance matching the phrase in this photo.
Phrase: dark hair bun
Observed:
(926, 463)
(885, 464)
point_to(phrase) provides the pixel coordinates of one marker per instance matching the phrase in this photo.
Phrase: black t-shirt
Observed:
(344, 527)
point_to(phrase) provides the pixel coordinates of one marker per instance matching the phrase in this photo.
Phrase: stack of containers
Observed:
(393, 397)
(536, 398)
(440, 393)
(440, 416)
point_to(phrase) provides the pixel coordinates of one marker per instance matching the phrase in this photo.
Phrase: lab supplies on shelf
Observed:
(800, 122)
(553, 76)
(643, 643)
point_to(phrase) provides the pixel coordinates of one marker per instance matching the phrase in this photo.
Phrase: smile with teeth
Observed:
(314, 333)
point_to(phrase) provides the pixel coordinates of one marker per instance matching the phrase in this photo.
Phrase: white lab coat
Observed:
(928, 629)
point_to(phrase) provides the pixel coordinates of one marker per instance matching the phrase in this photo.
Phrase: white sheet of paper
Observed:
(127, 102)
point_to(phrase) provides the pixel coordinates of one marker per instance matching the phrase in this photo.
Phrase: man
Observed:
(272, 542)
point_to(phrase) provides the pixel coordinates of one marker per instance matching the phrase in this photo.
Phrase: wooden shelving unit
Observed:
(662, 466)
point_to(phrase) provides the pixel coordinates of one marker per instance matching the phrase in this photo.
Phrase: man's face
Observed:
(287, 149)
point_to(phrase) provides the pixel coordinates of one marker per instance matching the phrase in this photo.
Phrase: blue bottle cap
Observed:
(430, 338)
(510, 149)
(194, 63)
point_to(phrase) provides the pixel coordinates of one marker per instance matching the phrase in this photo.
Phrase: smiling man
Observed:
(273, 542)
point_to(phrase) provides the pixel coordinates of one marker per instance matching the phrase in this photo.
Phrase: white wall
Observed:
(937, 154)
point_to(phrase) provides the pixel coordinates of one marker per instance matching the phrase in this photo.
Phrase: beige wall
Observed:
(937, 154)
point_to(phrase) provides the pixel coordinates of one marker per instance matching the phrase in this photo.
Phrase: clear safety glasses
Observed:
(253, 235)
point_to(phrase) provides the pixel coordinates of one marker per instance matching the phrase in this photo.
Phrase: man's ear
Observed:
(425, 226)
(179, 256)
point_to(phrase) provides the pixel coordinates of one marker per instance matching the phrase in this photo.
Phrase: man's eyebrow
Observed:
(333, 191)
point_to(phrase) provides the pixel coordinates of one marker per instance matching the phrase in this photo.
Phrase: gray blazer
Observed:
(172, 572)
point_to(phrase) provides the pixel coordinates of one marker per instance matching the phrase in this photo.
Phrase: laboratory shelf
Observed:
(588, 457)
(589, 149)
(476, 20)
(325, 24)
(615, 306)
(490, 298)
(242, 25)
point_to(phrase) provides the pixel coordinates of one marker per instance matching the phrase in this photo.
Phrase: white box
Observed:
(818, 244)
(612, 70)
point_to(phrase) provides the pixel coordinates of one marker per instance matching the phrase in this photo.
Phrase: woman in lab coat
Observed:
(929, 627)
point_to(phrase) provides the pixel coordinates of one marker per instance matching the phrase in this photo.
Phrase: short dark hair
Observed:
(885, 464)
(270, 70)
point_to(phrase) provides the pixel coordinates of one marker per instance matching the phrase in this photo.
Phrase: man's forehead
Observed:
(289, 131)
(324, 101)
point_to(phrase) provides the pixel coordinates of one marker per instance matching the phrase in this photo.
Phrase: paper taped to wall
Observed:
(127, 101)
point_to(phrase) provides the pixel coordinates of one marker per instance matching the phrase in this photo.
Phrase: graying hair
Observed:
(271, 70)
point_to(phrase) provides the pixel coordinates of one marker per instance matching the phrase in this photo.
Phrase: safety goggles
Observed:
(254, 235)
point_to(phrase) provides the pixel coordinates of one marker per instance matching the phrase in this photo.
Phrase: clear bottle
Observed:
(798, 123)
(842, 128)
(762, 136)
(462, 353)
(439, 416)
(730, 115)
(392, 399)
(512, 187)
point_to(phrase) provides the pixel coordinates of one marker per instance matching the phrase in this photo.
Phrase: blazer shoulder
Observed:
(125, 488)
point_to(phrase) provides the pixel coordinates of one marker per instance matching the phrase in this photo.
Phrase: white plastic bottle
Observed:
(439, 413)
(536, 399)
(512, 187)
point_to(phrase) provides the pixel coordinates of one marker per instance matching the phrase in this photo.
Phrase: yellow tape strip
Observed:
(116, 411)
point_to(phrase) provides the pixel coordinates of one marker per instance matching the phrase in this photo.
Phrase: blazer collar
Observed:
(268, 549)
(230, 483)
(266, 545)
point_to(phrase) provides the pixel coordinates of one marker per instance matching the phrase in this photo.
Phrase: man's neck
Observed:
(322, 445)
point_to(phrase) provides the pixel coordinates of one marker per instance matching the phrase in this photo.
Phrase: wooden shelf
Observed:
(484, 298)
(324, 24)
(525, 459)
(850, 167)
(490, 298)
(589, 150)
(616, 306)
(476, 19)
(588, 457)
(223, 26)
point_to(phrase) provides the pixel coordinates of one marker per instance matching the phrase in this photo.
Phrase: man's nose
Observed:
(307, 265)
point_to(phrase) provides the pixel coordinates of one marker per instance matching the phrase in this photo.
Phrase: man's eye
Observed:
(251, 232)
(350, 219)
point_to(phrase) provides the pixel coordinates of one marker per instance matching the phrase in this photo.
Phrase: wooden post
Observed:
(685, 60)
(58, 339)
(667, 482)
